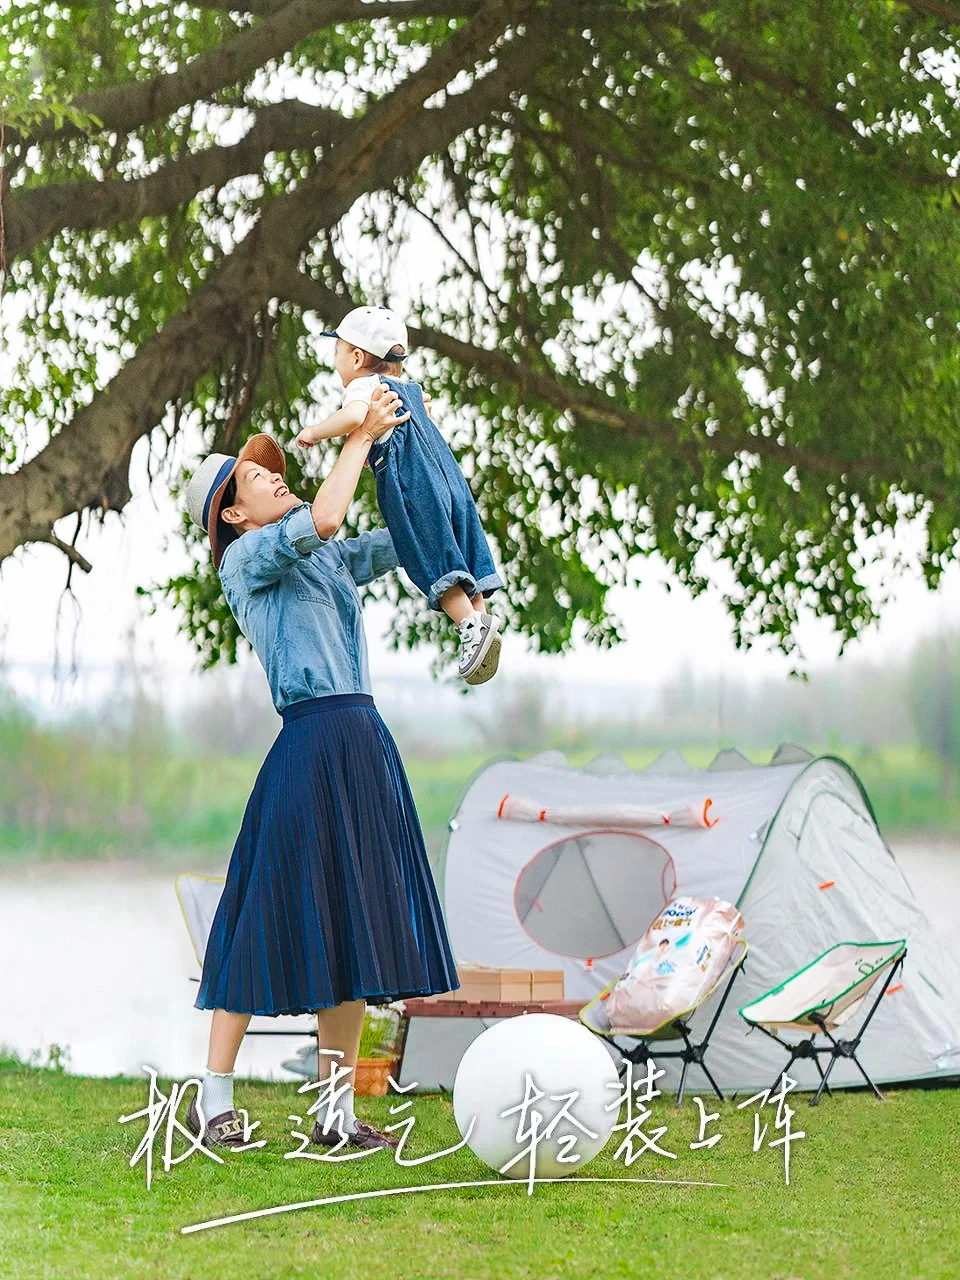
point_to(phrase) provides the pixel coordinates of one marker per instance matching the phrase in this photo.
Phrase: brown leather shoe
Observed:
(364, 1136)
(224, 1130)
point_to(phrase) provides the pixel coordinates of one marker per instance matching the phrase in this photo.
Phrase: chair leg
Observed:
(866, 1077)
(824, 1083)
(816, 1063)
(854, 1045)
(790, 1061)
(683, 1078)
(713, 1083)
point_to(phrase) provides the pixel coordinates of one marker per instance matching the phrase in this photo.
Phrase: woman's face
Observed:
(262, 498)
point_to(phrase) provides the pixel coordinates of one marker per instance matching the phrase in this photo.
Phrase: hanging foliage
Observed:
(684, 276)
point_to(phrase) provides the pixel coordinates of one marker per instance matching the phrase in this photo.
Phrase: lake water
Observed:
(97, 959)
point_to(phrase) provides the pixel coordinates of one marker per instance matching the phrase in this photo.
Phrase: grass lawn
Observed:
(874, 1193)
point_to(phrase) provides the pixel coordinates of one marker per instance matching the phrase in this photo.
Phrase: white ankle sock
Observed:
(470, 621)
(345, 1103)
(217, 1093)
(343, 1118)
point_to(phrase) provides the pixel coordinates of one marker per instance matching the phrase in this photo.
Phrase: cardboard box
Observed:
(516, 984)
(475, 985)
(521, 986)
(546, 984)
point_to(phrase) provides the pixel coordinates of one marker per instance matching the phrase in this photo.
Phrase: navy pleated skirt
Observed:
(329, 894)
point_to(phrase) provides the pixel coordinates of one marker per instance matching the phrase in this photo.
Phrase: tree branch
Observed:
(463, 51)
(745, 65)
(358, 10)
(936, 9)
(395, 135)
(69, 473)
(37, 213)
(588, 403)
(472, 271)
(71, 552)
(739, 61)
(126, 107)
(644, 160)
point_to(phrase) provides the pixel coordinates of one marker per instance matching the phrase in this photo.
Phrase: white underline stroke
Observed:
(430, 1186)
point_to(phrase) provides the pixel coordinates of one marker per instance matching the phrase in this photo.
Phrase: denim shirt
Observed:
(294, 597)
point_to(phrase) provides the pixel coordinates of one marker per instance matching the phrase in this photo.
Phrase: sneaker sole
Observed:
(493, 635)
(488, 665)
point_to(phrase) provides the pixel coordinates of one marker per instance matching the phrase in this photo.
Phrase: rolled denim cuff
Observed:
(459, 578)
(300, 531)
(488, 585)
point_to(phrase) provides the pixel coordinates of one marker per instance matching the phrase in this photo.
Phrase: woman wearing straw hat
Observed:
(329, 900)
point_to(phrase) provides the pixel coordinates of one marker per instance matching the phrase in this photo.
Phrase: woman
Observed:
(329, 900)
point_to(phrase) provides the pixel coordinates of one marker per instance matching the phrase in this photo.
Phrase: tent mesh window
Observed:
(593, 894)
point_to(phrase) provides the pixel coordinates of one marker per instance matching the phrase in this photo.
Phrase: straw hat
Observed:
(205, 490)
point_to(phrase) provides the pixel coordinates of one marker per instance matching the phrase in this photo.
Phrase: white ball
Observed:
(516, 1058)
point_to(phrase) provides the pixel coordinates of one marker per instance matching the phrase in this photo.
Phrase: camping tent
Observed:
(795, 846)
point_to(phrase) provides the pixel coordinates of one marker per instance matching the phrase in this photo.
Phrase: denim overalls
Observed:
(427, 505)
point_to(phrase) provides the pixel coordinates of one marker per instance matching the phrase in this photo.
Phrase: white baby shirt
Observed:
(362, 389)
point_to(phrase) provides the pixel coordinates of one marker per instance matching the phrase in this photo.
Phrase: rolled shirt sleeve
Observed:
(261, 556)
(368, 556)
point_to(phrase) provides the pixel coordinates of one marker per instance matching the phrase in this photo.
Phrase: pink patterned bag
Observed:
(677, 962)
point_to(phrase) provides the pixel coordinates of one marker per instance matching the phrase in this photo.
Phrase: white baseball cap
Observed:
(374, 329)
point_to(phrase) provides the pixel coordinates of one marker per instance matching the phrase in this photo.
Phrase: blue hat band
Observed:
(222, 474)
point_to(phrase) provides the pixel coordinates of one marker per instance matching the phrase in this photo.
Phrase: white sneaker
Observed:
(479, 647)
(488, 667)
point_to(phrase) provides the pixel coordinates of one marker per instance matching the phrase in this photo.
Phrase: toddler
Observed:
(423, 496)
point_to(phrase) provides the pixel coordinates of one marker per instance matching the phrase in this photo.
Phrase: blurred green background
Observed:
(127, 779)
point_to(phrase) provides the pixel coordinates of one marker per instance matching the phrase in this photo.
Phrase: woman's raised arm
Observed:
(336, 493)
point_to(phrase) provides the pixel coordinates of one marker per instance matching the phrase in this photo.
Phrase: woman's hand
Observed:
(382, 414)
(336, 493)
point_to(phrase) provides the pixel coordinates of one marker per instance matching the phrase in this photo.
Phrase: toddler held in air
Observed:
(423, 496)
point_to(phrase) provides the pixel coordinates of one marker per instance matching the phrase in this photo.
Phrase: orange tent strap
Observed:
(543, 815)
(502, 803)
(827, 884)
(706, 821)
(897, 987)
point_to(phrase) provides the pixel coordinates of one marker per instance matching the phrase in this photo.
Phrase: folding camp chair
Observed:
(676, 1027)
(824, 996)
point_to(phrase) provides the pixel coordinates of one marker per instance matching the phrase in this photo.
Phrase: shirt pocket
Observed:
(314, 592)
